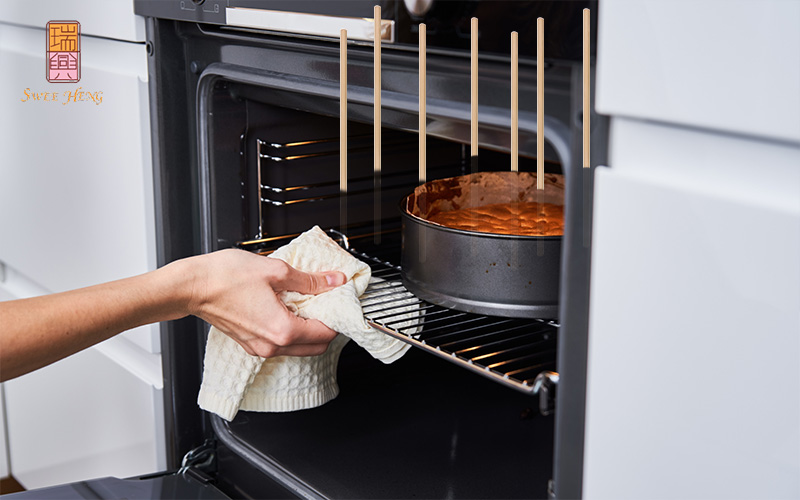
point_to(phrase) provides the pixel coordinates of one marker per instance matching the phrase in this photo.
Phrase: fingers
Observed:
(290, 336)
(305, 331)
(269, 350)
(285, 277)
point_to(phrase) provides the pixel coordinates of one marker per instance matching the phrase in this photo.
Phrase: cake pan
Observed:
(485, 273)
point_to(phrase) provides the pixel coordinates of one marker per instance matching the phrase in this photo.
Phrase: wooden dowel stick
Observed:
(423, 91)
(343, 111)
(514, 102)
(342, 129)
(540, 103)
(474, 86)
(587, 108)
(377, 89)
(376, 177)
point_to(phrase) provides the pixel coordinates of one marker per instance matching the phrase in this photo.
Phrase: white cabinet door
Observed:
(693, 376)
(105, 18)
(694, 332)
(76, 209)
(80, 418)
(727, 65)
(76, 195)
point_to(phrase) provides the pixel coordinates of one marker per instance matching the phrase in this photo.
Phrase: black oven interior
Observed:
(246, 152)
(273, 170)
(426, 428)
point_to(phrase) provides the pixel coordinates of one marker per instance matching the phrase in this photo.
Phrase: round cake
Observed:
(522, 218)
(493, 202)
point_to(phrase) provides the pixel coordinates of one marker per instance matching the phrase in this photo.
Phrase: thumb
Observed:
(310, 283)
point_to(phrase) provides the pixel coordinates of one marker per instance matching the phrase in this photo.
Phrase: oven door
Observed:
(167, 486)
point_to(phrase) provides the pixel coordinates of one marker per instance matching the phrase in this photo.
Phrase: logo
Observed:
(63, 65)
(63, 51)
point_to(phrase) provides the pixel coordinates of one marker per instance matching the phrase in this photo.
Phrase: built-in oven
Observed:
(245, 106)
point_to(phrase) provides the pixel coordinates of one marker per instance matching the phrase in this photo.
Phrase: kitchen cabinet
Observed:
(693, 383)
(76, 209)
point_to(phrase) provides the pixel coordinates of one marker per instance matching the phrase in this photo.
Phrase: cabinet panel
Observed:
(722, 64)
(82, 417)
(76, 195)
(105, 18)
(694, 334)
(4, 469)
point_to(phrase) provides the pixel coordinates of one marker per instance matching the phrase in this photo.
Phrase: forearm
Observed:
(231, 289)
(41, 330)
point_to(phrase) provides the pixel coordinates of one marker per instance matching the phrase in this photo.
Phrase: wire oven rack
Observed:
(514, 352)
(518, 353)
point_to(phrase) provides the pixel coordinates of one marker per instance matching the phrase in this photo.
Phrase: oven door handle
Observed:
(299, 23)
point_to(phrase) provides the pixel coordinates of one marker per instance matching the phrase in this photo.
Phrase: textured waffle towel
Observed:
(234, 380)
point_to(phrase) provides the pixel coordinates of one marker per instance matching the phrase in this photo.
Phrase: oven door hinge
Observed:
(200, 462)
(545, 386)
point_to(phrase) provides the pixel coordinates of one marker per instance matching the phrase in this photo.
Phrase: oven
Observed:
(245, 107)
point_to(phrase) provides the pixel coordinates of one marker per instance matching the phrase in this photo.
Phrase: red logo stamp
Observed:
(63, 51)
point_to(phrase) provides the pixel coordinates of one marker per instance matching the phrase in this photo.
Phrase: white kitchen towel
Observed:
(233, 379)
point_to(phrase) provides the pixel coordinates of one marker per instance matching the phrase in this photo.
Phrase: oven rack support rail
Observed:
(519, 353)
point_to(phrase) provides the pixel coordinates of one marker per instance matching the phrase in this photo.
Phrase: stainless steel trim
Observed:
(358, 28)
(545, 386)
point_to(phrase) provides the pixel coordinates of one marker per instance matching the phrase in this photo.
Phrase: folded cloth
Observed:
(233, 379)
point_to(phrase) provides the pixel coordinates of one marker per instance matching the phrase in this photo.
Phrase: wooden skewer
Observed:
(376, 178)
(423, 91)
(423, 94)
(377, 90)
(474, 89)
(540, 103)
(342, 129)
(514, 102)
(587, 109)
(343, 111)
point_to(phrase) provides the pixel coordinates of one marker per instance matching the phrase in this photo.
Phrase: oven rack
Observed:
(518, 353)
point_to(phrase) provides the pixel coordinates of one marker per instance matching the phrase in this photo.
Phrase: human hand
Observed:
(236, 291)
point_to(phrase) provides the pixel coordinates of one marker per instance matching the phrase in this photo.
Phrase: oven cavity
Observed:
(282, 165)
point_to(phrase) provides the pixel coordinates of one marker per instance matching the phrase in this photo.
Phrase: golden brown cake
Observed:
(493, 202)
(524, 219)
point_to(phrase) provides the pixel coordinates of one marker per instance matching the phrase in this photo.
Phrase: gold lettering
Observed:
(98, 97)
(27, 95)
